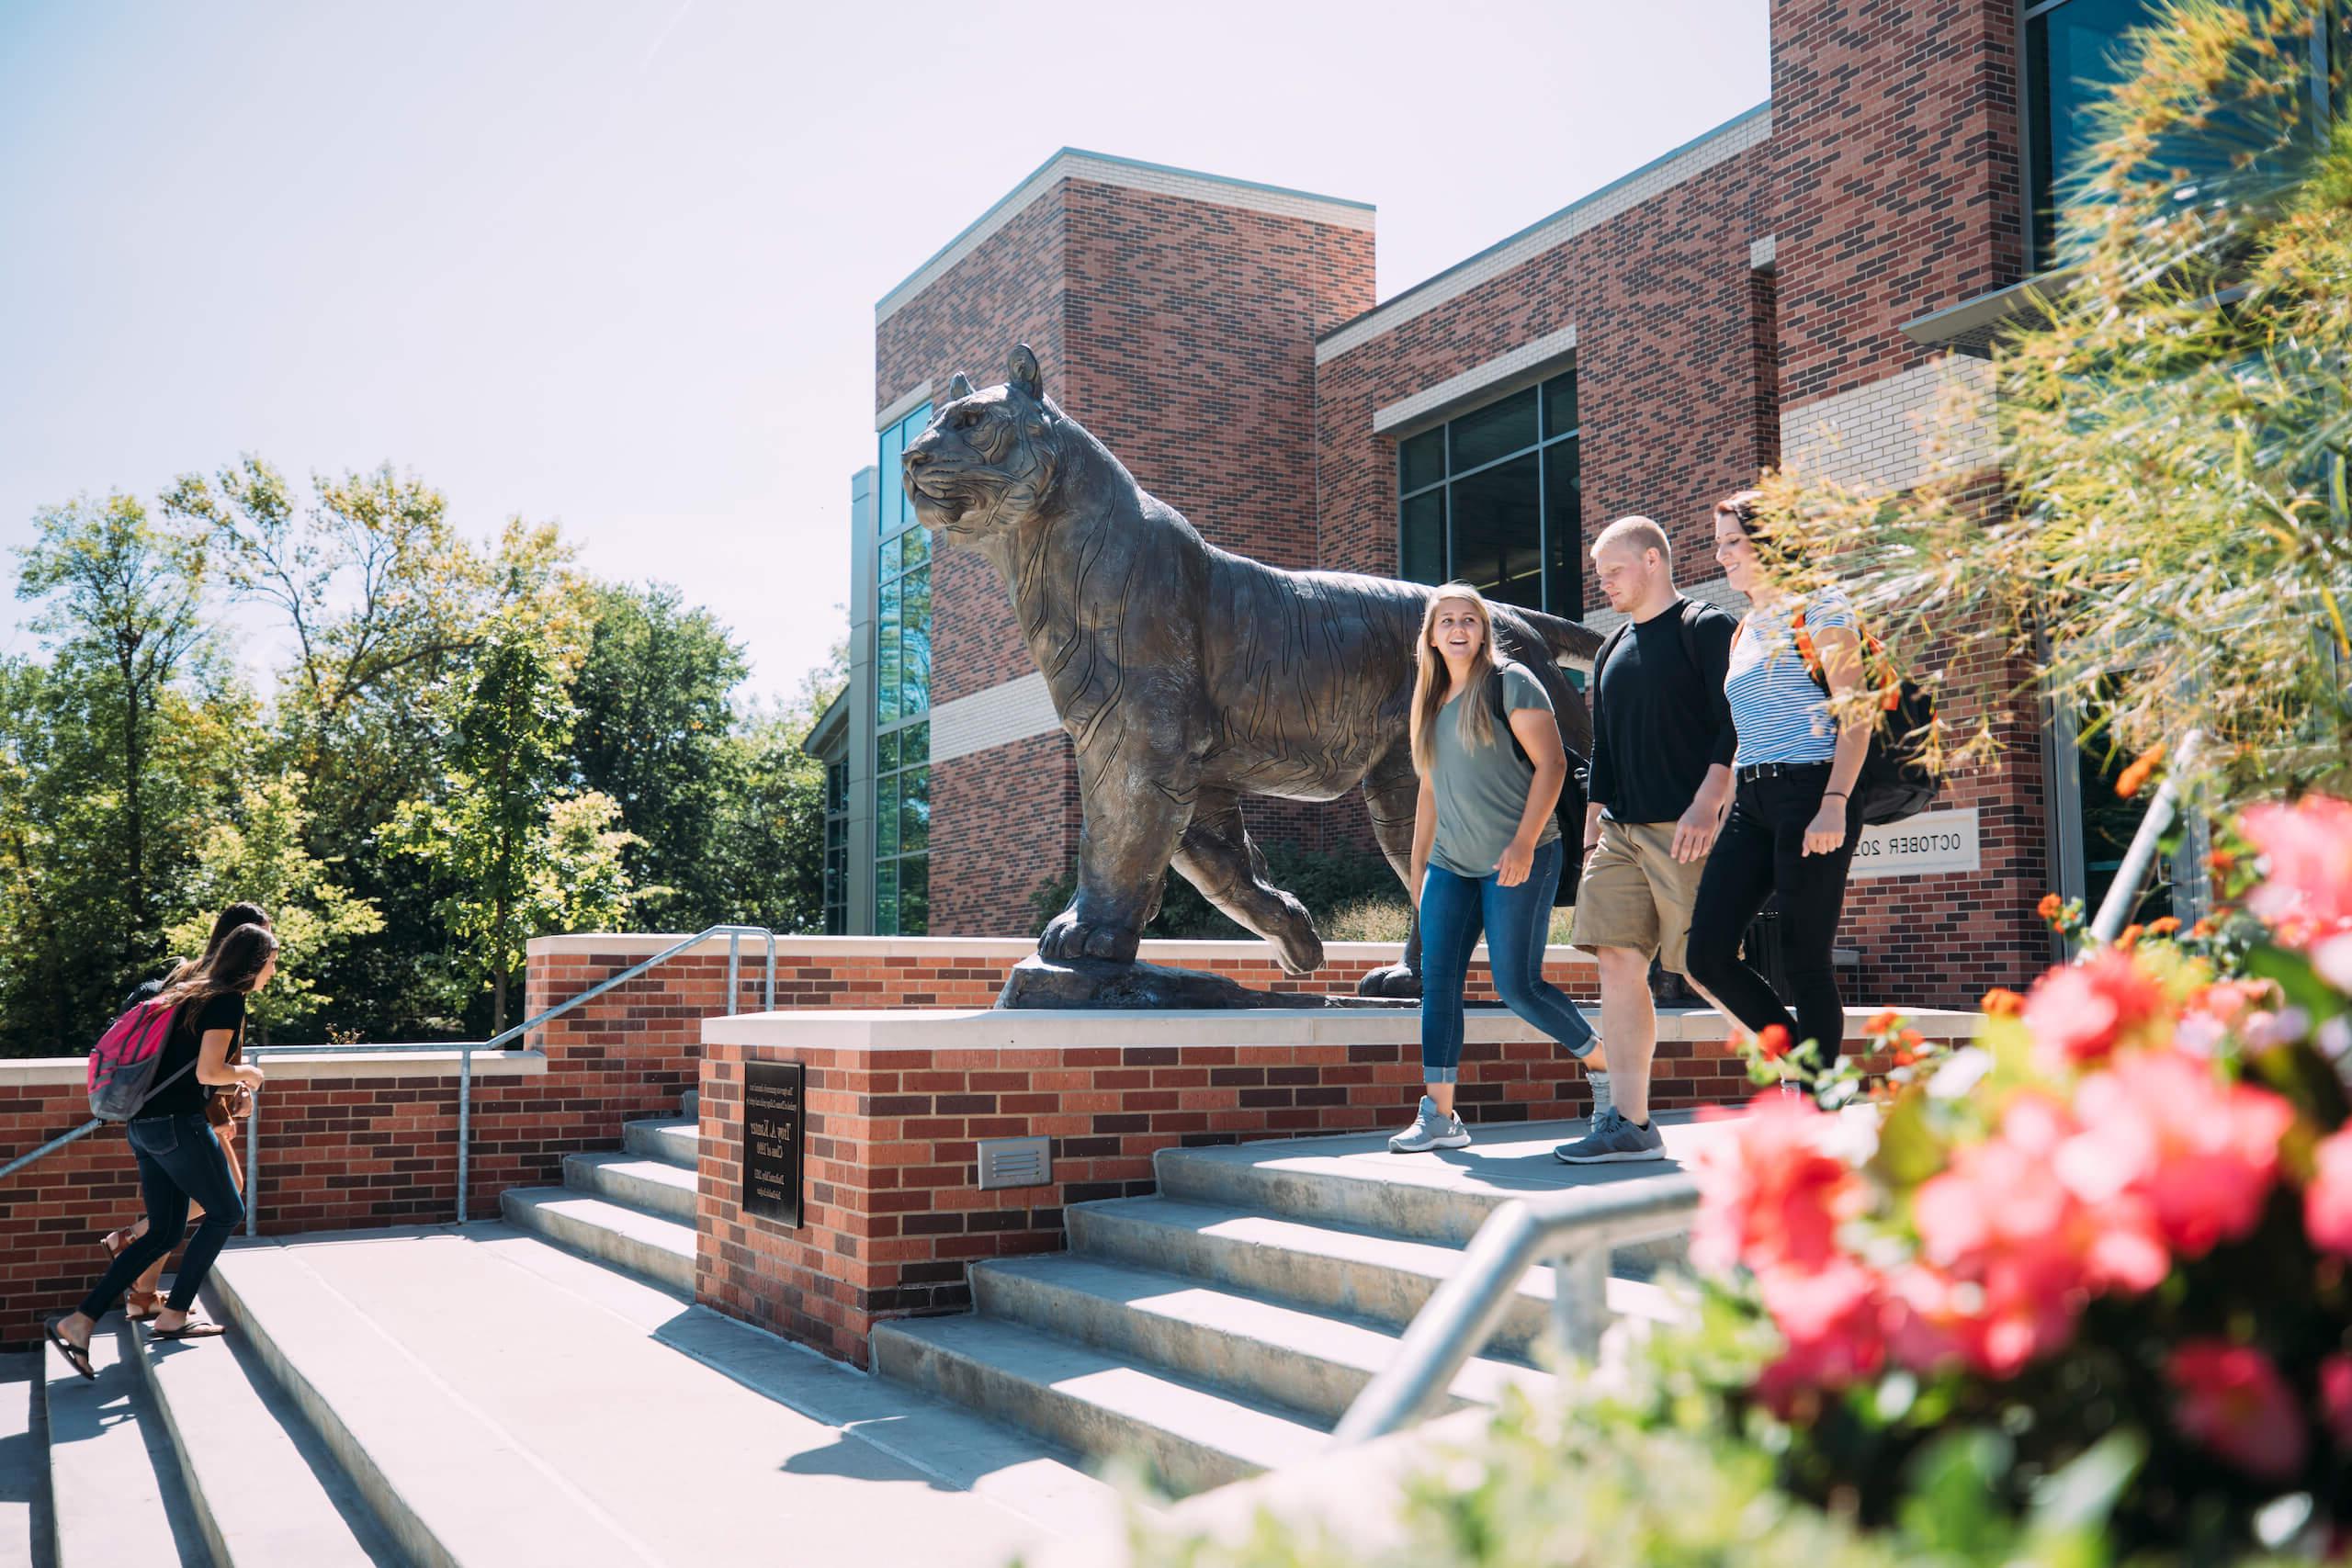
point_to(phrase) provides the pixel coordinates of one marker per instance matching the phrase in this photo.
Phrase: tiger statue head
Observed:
(987, 461)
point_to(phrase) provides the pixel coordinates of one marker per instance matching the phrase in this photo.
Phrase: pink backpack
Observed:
(122, 1064)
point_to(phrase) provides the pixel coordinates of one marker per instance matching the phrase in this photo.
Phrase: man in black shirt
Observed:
(1660, 782)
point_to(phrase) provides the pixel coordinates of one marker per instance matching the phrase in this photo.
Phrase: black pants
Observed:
(178, 1159)
(1760, 851)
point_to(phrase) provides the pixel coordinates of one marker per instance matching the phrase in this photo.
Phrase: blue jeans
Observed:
(1516, 920)
(178, 1159)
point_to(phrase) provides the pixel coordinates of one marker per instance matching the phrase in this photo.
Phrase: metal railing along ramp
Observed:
(465, 1049)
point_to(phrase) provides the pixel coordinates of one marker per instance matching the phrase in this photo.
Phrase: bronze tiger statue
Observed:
(1188, 676)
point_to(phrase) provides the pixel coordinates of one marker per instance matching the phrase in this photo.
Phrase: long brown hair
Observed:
(235, 915)
(1433, 682)
(234, 964)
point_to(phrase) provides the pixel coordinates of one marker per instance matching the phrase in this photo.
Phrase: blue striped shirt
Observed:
(1781, 714)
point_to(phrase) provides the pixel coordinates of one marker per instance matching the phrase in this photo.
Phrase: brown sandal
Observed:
(138, 1307)
(115, 1240)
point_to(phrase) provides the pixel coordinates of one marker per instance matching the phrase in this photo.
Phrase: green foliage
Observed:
(258, 856)
(525, 854)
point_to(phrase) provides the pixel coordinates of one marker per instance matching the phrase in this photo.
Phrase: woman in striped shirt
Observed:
(1793, 820)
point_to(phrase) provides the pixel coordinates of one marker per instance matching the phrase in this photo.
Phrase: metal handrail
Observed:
(2123, 893)
(1573, 1231)
(466, 1049)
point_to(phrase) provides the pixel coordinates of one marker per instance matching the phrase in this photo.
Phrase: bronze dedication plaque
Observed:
(772, 1141)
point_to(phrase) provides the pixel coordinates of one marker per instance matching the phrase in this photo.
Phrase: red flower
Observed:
(2158, 1127)
(1831, 1317)
(1771, 1193)
(2001, 1002)
(2306, 891)
(2327, 1200)
(2129, 937)
(2051, 907)
(2336, 1399)
(2231, 1399)
(1883, 1023)
(2079, 1013)
(1773, 1043)
(2164, 925)
(2203, 929)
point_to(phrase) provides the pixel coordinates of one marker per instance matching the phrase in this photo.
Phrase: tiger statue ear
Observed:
(1026, 378)
(957, 387)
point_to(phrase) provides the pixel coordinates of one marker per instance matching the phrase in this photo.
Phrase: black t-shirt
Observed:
(1658, 722)
(186, 1097)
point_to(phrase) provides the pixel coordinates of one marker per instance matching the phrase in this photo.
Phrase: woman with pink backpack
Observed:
(180, 1161)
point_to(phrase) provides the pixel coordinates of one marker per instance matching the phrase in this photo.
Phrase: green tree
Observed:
(258, 855)
(654, 732)
(525, 855)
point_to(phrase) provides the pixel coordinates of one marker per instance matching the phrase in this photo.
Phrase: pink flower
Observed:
(2327, 1200)
(2079, 1013)
(2336, 1399)
(2159, 1127)
(2232, 1400)
(2306, 892)
(1772, 1191)
(1831, 1318)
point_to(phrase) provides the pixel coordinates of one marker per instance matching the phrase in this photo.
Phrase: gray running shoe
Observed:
(1430, 1129)
(1614, 1139)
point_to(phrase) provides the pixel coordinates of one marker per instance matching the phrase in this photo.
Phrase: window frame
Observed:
(1543, 447)
(906, 730)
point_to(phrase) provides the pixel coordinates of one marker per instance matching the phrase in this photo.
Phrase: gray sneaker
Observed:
(1430, 1129)
(1614, 1139)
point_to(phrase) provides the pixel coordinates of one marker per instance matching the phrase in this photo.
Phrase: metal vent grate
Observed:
(1016, 1162)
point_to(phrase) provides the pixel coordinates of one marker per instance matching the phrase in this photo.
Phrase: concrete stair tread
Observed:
(1443, 1196)
(1219, 1437)
(1285, 1234)
(673, 1140)
(266, 1491)
(654, 1246)
(633, 1181)
(117, 1488)
(24, 1459)
(544, 1424)
(1153, 1300)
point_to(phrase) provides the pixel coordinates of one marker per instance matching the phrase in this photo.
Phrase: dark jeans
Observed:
(1516, 920)
(178, 1159)
(1760, 851)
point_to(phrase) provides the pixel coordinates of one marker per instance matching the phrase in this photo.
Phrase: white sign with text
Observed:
(1923, 845)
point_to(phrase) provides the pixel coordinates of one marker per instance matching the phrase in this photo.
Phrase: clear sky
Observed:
(614, 261)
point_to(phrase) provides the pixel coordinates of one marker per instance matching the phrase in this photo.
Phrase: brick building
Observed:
(1804, 283)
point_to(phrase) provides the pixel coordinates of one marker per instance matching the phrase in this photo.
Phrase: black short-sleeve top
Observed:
(183, 1096)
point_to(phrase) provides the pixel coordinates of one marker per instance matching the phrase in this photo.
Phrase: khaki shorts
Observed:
(1636, 895)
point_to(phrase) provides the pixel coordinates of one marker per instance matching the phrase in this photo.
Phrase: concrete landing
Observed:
(501, 1401)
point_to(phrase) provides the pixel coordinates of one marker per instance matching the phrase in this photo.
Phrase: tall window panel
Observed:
(2070, 64)
(901, 700)
(1491, 498)
(836, 849)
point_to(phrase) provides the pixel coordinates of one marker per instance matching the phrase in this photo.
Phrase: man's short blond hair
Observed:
(1638, 532)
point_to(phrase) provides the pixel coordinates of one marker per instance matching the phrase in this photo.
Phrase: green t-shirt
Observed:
(1482, 791)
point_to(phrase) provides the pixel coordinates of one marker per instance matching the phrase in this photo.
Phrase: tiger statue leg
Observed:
(1392, 791)
(1136, 813)
(1216, 856)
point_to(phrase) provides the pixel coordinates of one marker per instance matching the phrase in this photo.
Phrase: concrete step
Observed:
(676, 1140)
(113, 1479)
(1097, 1401)
(1440, 1197)
(27, 1535)
(564, 1412)
(651, 1246)
(1325, 1267)
(653, 1185)
(1306, 1361)
(266, 1491)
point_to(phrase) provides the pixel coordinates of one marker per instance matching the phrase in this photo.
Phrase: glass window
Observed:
(1495, 431)
(887, 753)
(901, 699)
(1491, 498)
(1422, 461)
(914, 811)
(836, 847)
(914, 646)
(914, 896)
(2071, 63)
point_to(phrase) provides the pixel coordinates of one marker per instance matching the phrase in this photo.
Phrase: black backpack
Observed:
(1895, 781)
(1568, 811)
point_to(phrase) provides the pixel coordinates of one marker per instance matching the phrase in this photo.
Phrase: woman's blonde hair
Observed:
(1433, 682)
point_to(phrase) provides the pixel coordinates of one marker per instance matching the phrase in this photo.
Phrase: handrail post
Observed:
(1580, 1300)
(465, 1124)
(2123, 893)
(252, 1169)
(734, 963)
(770, 1004)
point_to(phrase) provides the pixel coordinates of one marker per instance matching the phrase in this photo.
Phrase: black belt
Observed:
(1755, 770)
